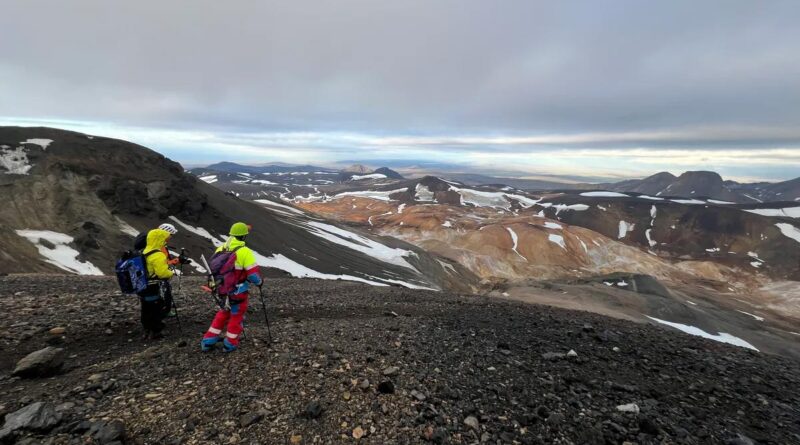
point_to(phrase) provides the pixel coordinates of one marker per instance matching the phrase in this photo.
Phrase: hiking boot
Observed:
(227, 346)
(207, 344)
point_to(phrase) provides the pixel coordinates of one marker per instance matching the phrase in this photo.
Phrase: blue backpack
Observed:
(131, 271)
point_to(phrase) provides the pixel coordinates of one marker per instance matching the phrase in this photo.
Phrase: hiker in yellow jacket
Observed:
(159, 273)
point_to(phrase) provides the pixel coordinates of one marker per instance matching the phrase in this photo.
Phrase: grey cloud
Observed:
(409, 67)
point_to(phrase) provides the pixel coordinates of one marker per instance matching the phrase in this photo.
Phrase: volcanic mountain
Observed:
(604, 245)
(75, 201)
(705, 184)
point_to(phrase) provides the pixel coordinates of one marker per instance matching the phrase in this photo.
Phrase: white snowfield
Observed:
(562, 207)
(721, 337)
(360, 243)
(688, 201)
(423, 193)
(40, 142)
(262, 182)
(481, 198)
(790, 231)
(199, 231)
(602, 194)
(127, 228)
(380, 195)
(278, 261)
(209, 179)
(62, 255)
(552, 225)
(791, 212)
(370, 176)
(14, 160)
(269, 203)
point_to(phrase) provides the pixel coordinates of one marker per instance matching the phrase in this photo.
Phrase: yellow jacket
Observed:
(245, 259)
(157, 265)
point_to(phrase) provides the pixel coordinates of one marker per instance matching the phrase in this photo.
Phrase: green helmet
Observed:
(239, 229)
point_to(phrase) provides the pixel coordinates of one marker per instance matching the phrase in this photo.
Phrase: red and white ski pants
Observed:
(233, 319)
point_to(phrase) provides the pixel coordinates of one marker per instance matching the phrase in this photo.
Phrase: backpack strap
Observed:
(225, 249)
(145, 255)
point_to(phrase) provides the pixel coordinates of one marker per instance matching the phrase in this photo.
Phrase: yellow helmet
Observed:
(239, 229)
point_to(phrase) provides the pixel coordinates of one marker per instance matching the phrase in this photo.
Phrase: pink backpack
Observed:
(223, 269)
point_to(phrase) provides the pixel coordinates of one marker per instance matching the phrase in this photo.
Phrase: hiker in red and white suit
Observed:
(247, 271)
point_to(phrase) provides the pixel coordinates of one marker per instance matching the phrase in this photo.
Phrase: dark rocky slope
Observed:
(387, 365)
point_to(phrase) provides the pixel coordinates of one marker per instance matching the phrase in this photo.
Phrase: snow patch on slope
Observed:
(515, 240)
(791, 212)
(361, 244)
(721, 337)
(374, 194)
(199, 231)
(269, 203)
(603, 194)
(40, 142)
(14, 161)
(790, 231)
(557, 239)
(127, 228)
(649, 239)
(278, 261)
(624, 228)
(752, 315)
(423, 193)
(363, 177)
(61, 255)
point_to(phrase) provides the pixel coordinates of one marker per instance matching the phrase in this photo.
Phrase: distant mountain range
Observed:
(706, 184)
(232, 167)
(690, 184)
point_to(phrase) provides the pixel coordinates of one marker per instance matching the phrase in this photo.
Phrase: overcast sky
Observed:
(598, 88)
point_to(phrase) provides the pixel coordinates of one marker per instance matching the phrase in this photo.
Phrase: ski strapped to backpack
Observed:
(131, 270)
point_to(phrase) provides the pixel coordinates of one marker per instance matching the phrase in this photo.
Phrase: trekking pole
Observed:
(174, 304)
(264, 307)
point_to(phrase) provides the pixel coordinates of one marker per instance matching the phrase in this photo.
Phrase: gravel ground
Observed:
(349, 362)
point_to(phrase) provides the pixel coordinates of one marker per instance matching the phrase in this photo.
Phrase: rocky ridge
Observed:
(351, 363)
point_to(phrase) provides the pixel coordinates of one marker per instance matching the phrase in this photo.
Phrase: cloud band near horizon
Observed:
(583, 86)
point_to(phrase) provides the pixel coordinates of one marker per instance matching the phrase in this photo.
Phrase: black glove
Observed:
(183, 259)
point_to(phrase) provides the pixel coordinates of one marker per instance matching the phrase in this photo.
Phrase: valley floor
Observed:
(464, 369)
